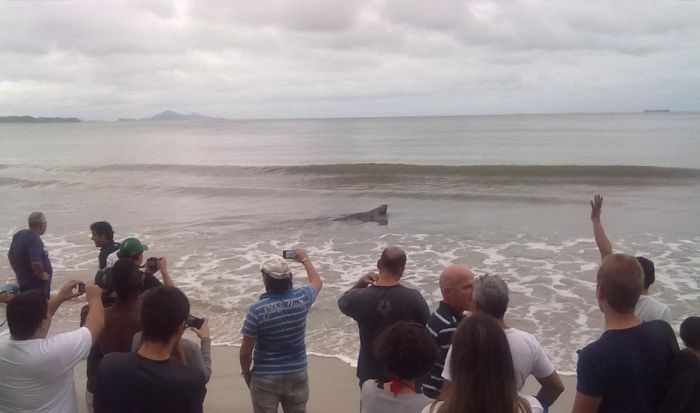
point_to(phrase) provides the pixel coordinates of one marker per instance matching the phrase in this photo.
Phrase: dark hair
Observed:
(393, 259)
(273, 285)
(126, 280)
(483, 376)
(25, 312)
(621, 280)
(103, 228)
(690, 332)
(163, 311)
(649, 272)
(406, 350)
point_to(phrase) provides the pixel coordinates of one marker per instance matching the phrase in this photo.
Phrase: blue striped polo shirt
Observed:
(278, 321)
(442, 326)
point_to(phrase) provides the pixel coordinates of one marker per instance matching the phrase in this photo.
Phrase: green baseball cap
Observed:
(132, 246)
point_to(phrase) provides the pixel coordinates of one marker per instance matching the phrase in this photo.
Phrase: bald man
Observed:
(376, 302)
(456, 286)
(626, 369)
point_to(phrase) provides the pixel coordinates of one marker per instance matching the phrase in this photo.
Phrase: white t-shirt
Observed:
(528, 358)
(112, 259)
(37, 375)
(535, 405)
(649, 309)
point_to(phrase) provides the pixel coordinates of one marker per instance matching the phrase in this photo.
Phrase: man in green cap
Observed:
(131, 249)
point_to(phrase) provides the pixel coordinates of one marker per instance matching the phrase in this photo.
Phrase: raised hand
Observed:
(596, 207)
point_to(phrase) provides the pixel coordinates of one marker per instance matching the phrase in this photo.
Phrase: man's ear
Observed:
(181, 330)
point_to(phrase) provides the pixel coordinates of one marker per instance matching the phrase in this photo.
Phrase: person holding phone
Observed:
(275, 327)
(37, 369)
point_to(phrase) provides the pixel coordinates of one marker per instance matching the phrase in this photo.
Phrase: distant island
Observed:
(169, 115)
(32, 119)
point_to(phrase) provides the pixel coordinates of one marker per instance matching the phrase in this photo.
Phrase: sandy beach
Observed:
(332, 383)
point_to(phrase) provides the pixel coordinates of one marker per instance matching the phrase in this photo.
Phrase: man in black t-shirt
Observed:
(103, 237)
(376, 302)
(149, 380)
(626, 370)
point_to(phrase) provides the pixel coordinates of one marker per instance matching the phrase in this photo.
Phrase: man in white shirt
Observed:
(491, 297)
(37, 371)
(648, 308)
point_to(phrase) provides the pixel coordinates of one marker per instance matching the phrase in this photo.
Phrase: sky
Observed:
(102, 60)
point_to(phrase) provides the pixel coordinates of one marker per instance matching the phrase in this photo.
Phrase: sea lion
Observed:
(378, 215)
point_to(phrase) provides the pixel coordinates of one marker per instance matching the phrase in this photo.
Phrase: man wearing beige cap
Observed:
(275, 327)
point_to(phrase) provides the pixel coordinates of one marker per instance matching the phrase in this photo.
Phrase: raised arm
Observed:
(64, 294)
(163, 268)
(204, 347)
(601, 240)
(311, 272)
(95, 320)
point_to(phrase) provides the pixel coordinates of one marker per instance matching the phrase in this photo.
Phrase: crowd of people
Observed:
(462, 357)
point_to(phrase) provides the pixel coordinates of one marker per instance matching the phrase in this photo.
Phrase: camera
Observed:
(192, 321)
(152, 264)
(81, 287)
(289, 255)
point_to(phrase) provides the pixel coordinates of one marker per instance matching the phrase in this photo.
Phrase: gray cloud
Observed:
(103, 60)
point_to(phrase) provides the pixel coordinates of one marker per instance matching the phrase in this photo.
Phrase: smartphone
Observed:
(153, 264)
(289, 255)
(192, 321)
(81, 287)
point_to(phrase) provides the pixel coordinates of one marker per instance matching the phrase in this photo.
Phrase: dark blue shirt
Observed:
(441, 325)
(105, 252)
(628, 368)
(130, 383)
(26, 248)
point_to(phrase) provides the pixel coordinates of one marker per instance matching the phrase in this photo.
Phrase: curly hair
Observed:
(406, 350)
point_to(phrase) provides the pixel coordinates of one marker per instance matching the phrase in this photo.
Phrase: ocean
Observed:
(504, 194)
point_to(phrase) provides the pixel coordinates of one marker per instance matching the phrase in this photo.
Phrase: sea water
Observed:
(503, 194)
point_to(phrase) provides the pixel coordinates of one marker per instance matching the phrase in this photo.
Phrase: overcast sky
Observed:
(318, 58)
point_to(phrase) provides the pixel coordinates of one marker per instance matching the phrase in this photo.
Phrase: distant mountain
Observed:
(169, 115)
(32, 119)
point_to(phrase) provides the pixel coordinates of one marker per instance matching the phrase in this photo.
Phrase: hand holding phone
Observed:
(289, 255)
(81, 287)
(192, 321)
